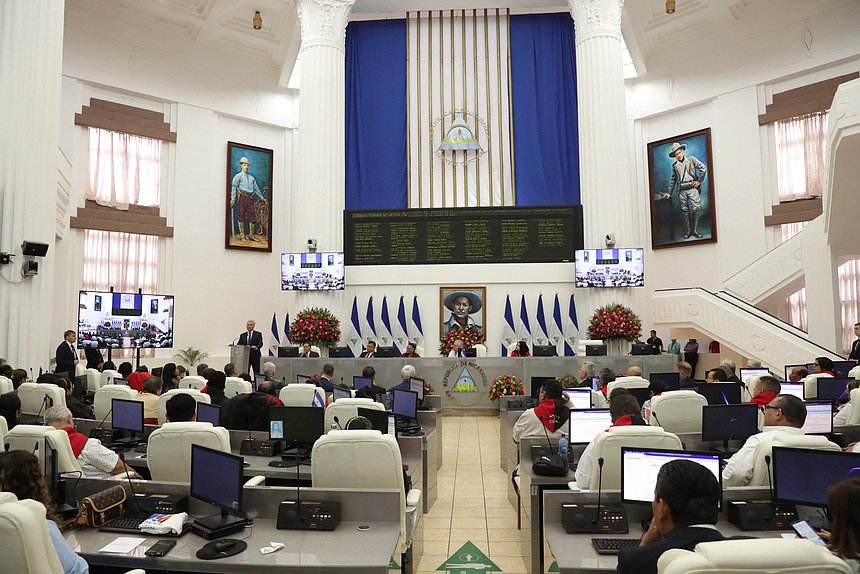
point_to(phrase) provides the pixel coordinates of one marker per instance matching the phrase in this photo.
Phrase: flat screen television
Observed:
(124, 320)
(312, 271)
(610, 267)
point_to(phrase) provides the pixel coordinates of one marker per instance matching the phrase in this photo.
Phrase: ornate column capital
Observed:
(323, 22)
(596, 18)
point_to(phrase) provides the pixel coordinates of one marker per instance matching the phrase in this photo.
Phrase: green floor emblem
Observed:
(468, 559)
(392, 565)
(553, 567)
(465, 383)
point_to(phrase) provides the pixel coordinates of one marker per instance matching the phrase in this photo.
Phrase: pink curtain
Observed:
(801, 144)
(797, 309)
(124, 261)
(789, 230)
(123, 169)
(849, 294)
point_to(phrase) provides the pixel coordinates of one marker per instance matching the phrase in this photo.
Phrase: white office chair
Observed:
(4, 430)
(33, 395)
(94, 380)
(235, 386)
(365, 459)
(345, 409)
(765, 448)
(627, 383)
(6, 385)
(598, 401)
(420, 350)
(168, 450)
(753, 556)
(103, 397)
(80, 369)
(678, 411)
(854, 399)
(480, 350)
(315, 349)
(855, 373)
(192, 382)
(26, 437)
(162, 401)
(108, 375)
(607, 445)
(302, 395)
(810, 387)
(750, 383)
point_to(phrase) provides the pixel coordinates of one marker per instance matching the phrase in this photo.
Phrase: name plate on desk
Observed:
(588, 519)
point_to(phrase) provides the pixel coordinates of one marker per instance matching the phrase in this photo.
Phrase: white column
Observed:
(31, 52)
(318, 195)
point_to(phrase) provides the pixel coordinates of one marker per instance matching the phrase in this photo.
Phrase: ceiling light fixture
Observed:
(670, 6)
(257, 20)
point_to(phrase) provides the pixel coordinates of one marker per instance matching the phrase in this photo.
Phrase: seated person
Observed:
(125, 369)
(586, 373)
(624, 411)
(685, 376)
(765, 391)
(457, 349)
(306, 351)
(634, 371)
(551, 414)
(522, 350)
(797, 374)
(6, 370)
(201, 368)
(686, 498)
(181, 408)
(655, 389)
(95, 459)
(21, 474)
(10, 409)
(325, 378)
(716, 375)
(844, 540)
(843, 415)
(230, 370)
(215, 388)
(148, 395)
(605, 377)
(406, 373)
(730, 368)
(181, 373)
(369, 352)
(823, 366)
(410, 351)
(135, 380)
(80, 409)
(377, 391)
(169, 380)
(250, 411)
(784, 414)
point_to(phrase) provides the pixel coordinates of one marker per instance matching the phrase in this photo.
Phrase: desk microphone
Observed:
(42, 406)
(769, 488)
(599, 488)
(654, 414)
(337, 422)
(96, 432)
(548, 442)
(131, 485)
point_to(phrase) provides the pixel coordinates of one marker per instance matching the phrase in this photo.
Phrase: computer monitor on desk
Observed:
(286, 352)
(585, 424)
(720, 393)
(581, 398)
(258, 379)
(79, 387)
(794, 389)
(417, 387)
(382, 421)
(819, 418)
(729, 422)
(752, 372)
(803, 476)
(641, 394)
(672, 380)
(361, 382)
(216, 478)
(123, 382)
(832, 389)
(789, 368)
(303, 379)
(299, 427)
(127, 415)
(207, 413)
(404, 404)
(640, 466)
(341, 393)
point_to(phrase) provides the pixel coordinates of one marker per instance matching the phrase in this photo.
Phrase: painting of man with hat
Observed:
(249, 173)
(682, 200)
(464, 307)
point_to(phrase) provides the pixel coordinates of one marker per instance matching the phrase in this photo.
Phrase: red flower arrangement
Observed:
(506, 385)
(428, 389)
(316, 326)
(470, 337)
(615, 321)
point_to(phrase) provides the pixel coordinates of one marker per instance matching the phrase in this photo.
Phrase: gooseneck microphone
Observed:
(599, 488)
(548, 442)
(769, 488)
(337, 422)
(42, 406)
(131, 485)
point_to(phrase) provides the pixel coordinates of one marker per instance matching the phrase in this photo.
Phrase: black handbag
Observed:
(552, 465)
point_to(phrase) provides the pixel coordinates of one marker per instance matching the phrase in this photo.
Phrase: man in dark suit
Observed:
(253, 339)
(67, 355)
(307, 353)
(370, 351)
(685, 508)
(855, 346)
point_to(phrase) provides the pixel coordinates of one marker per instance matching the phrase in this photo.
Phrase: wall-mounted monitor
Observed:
(312, 271)
(124, 320)
(610, 267)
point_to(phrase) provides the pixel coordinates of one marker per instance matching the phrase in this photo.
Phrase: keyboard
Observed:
(613, 545)
(141, 448)
(125, 525)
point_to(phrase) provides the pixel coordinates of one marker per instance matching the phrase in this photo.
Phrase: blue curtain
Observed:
(376, 115)
(543, 87)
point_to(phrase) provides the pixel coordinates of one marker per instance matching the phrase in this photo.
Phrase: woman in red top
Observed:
(824, 366)
(522, 350)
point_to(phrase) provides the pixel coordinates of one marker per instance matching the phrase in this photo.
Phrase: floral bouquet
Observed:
(316, 326)
(506, 385)
(614, 321)
(428, 389)
(470, 337)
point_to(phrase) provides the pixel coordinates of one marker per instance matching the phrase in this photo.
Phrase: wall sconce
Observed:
(257, 20)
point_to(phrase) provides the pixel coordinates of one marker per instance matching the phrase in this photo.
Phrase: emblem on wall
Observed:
(460, 143)
(465, 383)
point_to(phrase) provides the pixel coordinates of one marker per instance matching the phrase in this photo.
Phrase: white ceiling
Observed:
(224, 27)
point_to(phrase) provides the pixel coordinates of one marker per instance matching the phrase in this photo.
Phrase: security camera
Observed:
(35, 249)
(610, 240)
(312, 245)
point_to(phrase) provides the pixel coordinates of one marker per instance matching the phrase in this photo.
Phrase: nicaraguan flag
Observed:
(371, 322)
(555, 333)
(541, 333)
(570, 329)
(524, 330)
(416, 331)
(400, 328)
(318, 401)
(353, 341)
(275, 336)
(384, 330)
(287, 330)
(509, 335)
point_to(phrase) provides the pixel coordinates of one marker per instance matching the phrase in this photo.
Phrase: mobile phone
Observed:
(160, 548)
(804, 530)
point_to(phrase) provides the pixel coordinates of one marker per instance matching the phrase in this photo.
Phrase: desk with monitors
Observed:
(580, 397)
(127, 416)
(720, 393)
(831, 389)
(722, 423)
(819, 418)
(584, 424)
(794, 389)
(672, 380)
(803, 476)
(840, 368)
(746, 372)
(207, 413)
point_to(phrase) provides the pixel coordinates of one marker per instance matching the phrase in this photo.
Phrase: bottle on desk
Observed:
(563, 444)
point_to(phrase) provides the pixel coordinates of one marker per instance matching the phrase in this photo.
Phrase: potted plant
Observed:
(315, 326)
(615, 323)
(505, 386)
(190, 356)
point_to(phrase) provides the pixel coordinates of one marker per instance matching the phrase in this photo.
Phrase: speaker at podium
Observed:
(240, 355)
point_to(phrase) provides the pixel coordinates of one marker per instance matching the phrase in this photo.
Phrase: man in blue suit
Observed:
(685, 507)
(254, 339)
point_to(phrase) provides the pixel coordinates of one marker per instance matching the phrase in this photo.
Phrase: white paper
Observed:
(122, 545)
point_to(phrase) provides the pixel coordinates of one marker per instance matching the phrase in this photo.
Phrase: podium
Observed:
(240, 355)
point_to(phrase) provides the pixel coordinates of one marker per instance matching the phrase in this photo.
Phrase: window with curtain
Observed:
(800, 149)
(797, 309)
(123, 169)
(789, 230)
(849, 294)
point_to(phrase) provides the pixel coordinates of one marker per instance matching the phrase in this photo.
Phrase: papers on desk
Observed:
(122, 545)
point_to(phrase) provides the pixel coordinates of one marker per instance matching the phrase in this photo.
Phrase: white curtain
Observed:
(789, 230)
(800, 144)
(125, 261)
(849, 294)
(797, 309)
(123, 169)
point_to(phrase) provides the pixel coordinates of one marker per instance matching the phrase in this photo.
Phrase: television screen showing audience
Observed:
(124, 320)
(312, 271)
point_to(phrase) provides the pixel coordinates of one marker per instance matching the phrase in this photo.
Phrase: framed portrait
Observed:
(681, 190)
(461, 307)
(249, 198)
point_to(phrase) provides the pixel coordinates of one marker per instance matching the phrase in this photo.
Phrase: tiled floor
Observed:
(472, 503)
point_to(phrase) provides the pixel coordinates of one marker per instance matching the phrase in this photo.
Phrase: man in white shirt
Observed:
(784, 414)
